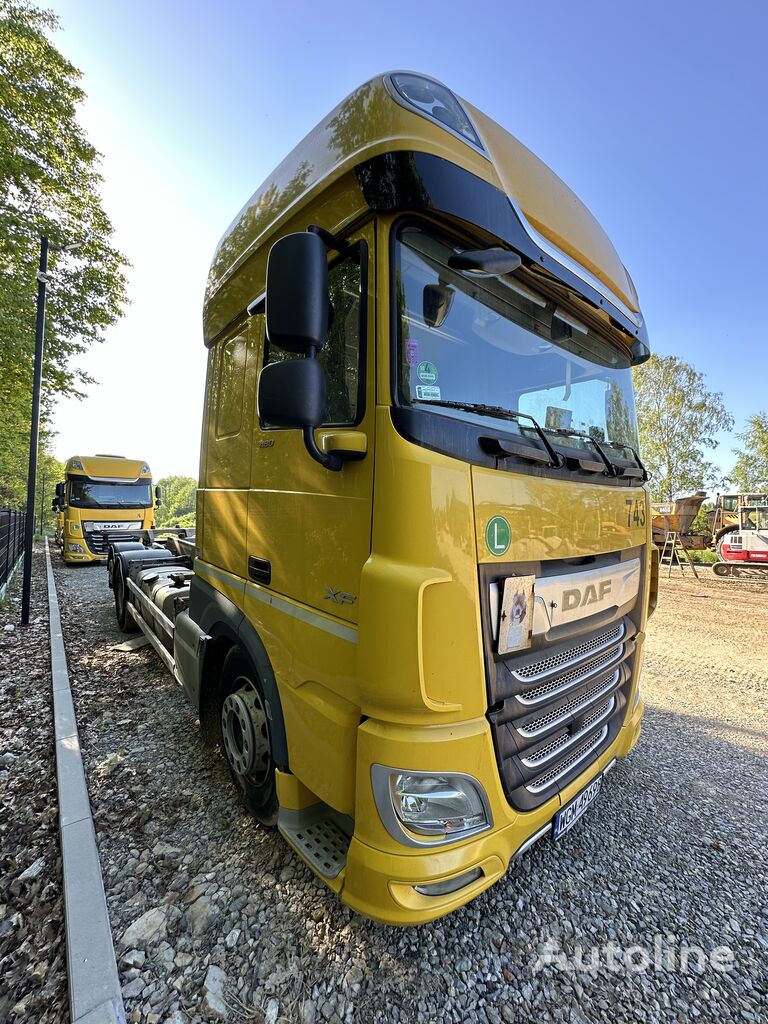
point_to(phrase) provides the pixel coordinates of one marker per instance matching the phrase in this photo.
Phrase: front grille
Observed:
(558, 708)
(98, 541)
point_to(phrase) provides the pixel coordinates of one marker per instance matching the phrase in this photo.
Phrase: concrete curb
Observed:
(94, 984)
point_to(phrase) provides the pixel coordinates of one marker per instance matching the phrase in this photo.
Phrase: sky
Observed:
(653, 113)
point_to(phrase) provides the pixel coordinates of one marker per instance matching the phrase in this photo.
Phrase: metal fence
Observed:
(11, 543)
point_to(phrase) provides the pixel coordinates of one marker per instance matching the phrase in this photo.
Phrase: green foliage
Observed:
(178, 505)
(701, 523)
(678, 417)
(704, 557)
(49, 185)
(751, 470)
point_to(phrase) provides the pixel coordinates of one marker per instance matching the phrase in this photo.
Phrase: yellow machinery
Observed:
(103, 497)
(415, 615)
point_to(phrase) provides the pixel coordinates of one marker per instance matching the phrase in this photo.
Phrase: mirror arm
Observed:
(327, 459)
(329, 240)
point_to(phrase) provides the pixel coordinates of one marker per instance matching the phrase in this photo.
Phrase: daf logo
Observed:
(591, 594)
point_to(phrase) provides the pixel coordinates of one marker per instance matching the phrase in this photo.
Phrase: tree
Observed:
(677, 418)
(49, 185)
(178, 504)
(750, 472)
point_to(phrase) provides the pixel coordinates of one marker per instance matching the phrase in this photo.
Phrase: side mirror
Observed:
(292, 394)
(158, 496)
(297, 293)
(60, 490)
(437, 300)
(55, 504)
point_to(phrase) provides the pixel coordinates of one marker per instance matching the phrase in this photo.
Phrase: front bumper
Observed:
(380, 883)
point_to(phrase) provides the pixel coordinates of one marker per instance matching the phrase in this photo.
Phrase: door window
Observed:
(341, 354)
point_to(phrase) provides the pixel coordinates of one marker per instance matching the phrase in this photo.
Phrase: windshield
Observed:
(754, 519)
(92, 494)
(494, 343)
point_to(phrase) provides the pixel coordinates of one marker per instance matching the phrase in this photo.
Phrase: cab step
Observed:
(320, 835)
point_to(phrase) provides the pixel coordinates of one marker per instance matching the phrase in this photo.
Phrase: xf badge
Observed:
(339, 596)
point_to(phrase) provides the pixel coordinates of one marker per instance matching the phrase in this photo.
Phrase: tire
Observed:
(244, 737)
(123, 616)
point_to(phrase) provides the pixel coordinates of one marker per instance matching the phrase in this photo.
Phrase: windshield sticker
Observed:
(516, 622)
(411, 352)
(427, 393)
(498, 535)
(427, 373)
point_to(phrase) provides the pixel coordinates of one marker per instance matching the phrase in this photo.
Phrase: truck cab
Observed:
(423, 570)
(102, 497)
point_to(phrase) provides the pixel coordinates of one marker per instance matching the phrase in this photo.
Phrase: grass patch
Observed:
(705, 557)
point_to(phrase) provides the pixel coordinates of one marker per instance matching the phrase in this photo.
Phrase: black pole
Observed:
(42, 502)
(34, 431)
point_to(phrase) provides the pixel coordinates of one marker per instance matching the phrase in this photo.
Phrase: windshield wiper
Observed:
(639, 472)
(593, 467)
(504, 446)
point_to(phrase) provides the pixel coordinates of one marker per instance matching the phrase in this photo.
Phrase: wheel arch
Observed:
(228, 627)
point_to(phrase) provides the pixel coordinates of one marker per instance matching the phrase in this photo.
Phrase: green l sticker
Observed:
(498, 535)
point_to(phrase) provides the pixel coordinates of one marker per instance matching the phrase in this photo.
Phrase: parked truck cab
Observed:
(416, 620)
(102, 497)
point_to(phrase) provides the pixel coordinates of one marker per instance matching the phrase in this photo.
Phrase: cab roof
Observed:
(372, 121)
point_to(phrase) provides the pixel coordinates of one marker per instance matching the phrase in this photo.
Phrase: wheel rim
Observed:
(244, 733)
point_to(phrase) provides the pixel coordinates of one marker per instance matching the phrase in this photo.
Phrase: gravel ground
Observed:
(33, 980)
(215, 918)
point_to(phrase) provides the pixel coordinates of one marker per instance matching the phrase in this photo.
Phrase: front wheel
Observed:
(244, 737)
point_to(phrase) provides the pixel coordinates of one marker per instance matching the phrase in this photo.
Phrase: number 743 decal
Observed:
(635, 511)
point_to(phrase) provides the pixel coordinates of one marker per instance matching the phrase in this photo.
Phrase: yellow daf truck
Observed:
(102, 498)
(414, 617)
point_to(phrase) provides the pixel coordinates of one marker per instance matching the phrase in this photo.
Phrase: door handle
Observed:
(260, 569)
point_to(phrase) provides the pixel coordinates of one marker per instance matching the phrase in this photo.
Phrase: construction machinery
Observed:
(677, 517)
(743, 549)
(724, 518)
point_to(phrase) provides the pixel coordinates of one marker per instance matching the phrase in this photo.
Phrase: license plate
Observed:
(567, 817)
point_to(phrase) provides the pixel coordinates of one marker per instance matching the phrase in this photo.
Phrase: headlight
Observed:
(447, 805)
(434, 101)
(77, 549)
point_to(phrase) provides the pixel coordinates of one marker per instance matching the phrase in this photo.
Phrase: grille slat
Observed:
(562, 768)
(572, 707)
(565, 741)
(570, 657)
(568, 680)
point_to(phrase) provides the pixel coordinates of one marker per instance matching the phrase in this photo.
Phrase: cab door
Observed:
(309, 529)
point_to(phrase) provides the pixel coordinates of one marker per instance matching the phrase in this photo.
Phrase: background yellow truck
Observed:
(101, 497)
(414, 618)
